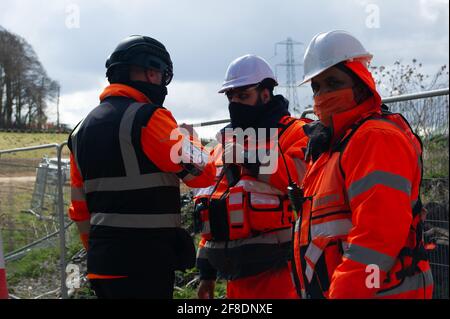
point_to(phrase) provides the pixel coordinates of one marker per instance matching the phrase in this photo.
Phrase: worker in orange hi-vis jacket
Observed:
(245, 218)
(127, 158)
(360, 230)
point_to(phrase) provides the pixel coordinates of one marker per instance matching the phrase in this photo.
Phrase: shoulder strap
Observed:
(285, 123)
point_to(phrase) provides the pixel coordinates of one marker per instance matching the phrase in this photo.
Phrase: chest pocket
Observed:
(268, 211)
(254, 207)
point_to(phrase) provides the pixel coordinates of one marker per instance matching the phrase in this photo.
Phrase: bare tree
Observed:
(25, 88)
(429, 117)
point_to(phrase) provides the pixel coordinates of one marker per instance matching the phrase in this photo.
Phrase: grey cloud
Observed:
(203, 36)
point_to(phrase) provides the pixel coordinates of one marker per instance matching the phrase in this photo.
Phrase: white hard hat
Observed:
(246, 70)
(330, 48)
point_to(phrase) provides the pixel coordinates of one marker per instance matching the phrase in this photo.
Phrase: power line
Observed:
(291, 77)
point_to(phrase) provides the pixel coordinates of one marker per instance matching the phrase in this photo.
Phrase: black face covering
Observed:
(156, 93)
(244, 116)
(260, 115)
(319, 140)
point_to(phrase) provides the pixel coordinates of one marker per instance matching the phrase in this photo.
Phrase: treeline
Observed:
(25, 87)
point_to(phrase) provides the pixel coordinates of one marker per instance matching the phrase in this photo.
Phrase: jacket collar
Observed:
(117, 89)
(341, 122)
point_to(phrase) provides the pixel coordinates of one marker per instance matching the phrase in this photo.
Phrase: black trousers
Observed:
(158, 285)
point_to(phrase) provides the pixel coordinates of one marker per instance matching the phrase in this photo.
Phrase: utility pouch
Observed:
(218, 219)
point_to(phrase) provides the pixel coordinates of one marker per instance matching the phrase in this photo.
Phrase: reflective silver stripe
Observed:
(301, 168)
(235, 199)
(206, 229)
(264, 199)
(202, 253)
(277, 237)
(75, 144)
(297, 225)
(237, 216)
(258, 187)
(188, 178)
(77, 194)
(313, 253)
(333, 228)
(203, 191)
(136, 220)
(391, 180)
(410, 284)
(125, 138)
(369, 256)
(325, 200)
(110, 184)
(309, 272)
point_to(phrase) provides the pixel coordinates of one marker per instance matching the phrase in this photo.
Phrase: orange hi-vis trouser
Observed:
(272, 284)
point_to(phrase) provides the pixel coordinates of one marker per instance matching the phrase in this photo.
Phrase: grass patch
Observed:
(191, 292)
(15, 140)
(37, 263)
(436, 157)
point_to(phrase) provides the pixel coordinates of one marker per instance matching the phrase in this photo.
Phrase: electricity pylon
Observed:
(291, 79)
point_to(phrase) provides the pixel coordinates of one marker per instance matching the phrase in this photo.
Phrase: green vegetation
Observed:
(436, 157)
(38, 263)
(30, 158)
(14, 140)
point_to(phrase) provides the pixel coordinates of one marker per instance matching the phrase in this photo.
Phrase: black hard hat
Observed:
(142, 51)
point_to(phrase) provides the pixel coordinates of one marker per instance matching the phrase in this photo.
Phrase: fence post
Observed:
(61, 214)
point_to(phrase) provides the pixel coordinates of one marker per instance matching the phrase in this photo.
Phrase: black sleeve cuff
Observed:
(206, 270)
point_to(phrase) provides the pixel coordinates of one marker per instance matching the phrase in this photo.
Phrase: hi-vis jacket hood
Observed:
(342, 121)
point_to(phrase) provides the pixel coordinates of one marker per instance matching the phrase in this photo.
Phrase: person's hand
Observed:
(187, 128)
(206, 289)
(233, 153)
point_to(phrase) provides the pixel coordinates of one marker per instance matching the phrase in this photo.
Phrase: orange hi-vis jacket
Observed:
(259, 223)
(136, 195)
(358, 235)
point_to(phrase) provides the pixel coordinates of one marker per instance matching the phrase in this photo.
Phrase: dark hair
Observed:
(268, 84)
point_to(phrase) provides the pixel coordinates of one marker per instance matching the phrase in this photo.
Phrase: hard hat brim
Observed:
(366, 56)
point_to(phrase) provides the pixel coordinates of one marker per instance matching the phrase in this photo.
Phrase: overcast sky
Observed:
(204, 36)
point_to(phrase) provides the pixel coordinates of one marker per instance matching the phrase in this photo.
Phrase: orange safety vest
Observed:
(359, 233)
(247, 228)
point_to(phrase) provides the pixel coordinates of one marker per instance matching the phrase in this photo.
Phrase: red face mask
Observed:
(328, 104)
